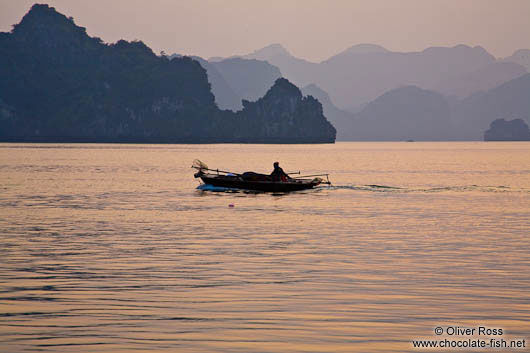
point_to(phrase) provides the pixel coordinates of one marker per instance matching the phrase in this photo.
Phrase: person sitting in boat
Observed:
(278, 173)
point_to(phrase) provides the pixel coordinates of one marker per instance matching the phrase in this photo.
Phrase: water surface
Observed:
(112, 247)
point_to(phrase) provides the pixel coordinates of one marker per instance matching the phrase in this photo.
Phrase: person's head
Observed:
(276, 164)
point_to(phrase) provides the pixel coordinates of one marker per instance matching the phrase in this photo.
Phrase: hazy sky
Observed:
(311, 29)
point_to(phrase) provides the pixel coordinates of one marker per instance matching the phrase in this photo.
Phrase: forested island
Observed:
(61, 85)
(507, 130)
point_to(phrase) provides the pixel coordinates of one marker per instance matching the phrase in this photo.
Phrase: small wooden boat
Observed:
(254, 181)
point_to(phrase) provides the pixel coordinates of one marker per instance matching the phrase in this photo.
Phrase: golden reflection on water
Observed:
(111, 247)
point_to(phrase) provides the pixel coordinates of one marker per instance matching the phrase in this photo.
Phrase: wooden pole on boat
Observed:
(307, 176)
(216, 170)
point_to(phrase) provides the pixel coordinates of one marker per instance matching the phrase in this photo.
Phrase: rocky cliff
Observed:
(342, 120)
(279, 115)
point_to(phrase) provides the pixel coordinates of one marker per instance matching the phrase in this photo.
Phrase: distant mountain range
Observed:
(511, 100)
(295, 69)
(521, 57)
(410, 112)
(249, 79)
(363, 72)
(481, 79)
(453, 92)
(236, 79)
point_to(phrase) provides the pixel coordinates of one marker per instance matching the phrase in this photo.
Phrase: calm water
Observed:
(112, 247)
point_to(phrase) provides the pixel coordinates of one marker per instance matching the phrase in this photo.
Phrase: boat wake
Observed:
(439, 189)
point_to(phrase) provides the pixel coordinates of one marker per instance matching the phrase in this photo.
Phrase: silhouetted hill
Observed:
(402, 114)
(59, 84)
(521, 57)
(62, 84)
(511, 130)
(342, 120)
(282, 110)
(509, 100)
(249, 79)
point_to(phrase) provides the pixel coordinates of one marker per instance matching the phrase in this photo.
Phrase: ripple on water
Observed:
(114, 249)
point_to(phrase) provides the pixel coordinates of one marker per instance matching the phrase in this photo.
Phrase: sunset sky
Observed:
(311, 29)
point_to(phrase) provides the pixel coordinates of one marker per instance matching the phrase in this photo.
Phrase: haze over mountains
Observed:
(369, 92)
(511, 100)
(521, 57)
(249, 79)
(363, 72)
(235, 79)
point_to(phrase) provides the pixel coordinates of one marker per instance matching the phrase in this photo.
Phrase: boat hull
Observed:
(236, 182)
